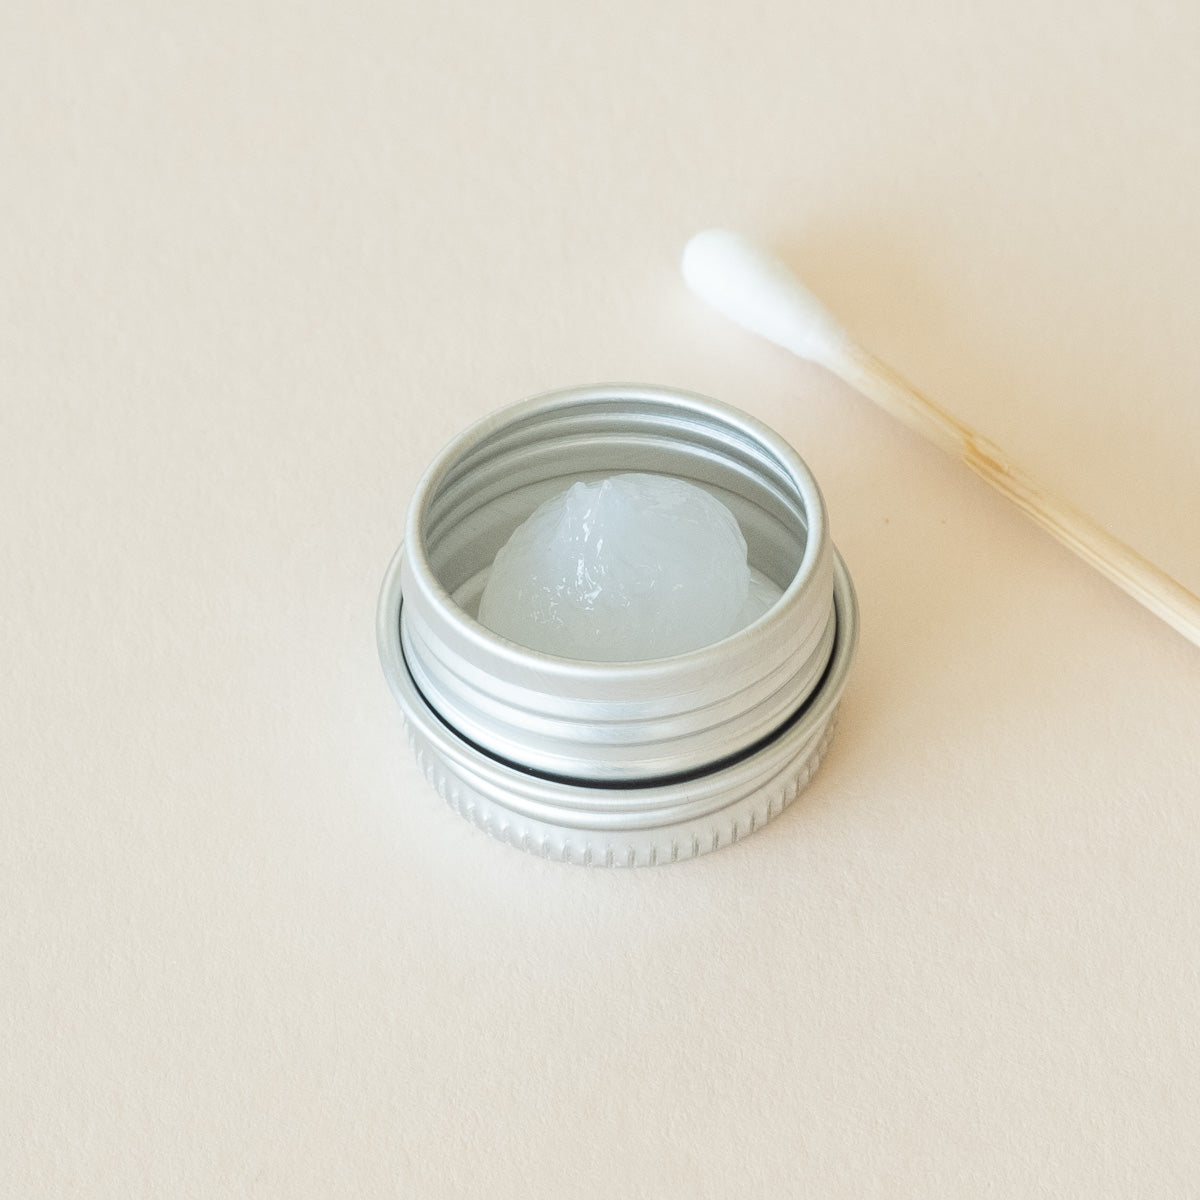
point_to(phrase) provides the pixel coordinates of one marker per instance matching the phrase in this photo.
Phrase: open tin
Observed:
(616, 763)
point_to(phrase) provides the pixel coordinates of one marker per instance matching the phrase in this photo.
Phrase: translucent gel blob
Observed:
(634, 567)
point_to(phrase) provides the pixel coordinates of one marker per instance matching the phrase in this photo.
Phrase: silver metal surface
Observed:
(616, 763)
(627, 825)
(614, 722)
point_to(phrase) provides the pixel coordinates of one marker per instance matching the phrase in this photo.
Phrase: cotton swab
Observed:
(761, 294)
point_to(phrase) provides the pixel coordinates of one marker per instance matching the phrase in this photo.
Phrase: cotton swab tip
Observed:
(748, 285)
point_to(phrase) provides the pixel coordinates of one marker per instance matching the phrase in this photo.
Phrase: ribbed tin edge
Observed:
(626, 826)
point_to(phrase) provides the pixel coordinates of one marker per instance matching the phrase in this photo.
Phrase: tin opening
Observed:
(484, 495)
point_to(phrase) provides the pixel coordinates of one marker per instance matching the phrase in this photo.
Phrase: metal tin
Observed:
(616, 762)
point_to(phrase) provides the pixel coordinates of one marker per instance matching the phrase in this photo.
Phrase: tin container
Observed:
(616, 763)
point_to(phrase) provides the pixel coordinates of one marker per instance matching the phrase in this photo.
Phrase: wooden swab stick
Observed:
(761, 294)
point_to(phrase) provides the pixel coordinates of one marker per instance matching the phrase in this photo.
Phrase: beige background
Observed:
(258, 262)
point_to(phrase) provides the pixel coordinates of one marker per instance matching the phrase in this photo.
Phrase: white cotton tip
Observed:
(757, 291)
